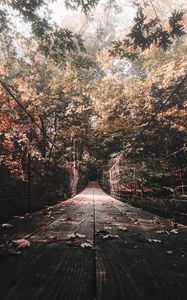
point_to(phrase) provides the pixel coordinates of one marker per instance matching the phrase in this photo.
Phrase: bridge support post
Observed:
(29, 203)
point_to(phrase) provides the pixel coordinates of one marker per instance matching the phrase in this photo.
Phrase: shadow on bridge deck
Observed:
(138, 255)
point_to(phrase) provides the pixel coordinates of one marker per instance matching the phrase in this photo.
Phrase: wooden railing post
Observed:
(29, 203)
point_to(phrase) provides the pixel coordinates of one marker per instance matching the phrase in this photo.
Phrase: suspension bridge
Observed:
(93, 246)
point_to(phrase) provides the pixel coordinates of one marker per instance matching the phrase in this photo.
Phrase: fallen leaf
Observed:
(7, 225)
(49, 214)
(71, 236)
(75, 235)
(122, 228)
(87, 245)
(80, 236)
(69, 218)
(28, 215)
(153, 241)
(107, 228)
(21, 243)
(43, 227)
(49, 207)
(156, 221)
(110, 236)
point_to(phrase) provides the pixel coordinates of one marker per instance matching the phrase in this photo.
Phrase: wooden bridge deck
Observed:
(122, 264)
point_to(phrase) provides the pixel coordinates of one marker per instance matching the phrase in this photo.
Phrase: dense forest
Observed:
(103, 94)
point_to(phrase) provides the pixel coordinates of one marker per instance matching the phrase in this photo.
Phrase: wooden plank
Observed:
(126, 268)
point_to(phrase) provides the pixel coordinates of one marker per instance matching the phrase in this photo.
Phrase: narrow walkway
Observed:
(139, 256)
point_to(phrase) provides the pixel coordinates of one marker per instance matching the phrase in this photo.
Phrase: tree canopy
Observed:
(71, 98)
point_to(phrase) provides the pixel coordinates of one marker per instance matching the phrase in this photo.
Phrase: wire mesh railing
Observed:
(163, 192)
